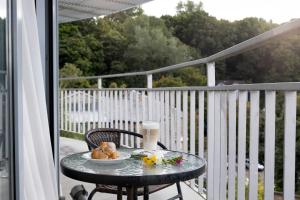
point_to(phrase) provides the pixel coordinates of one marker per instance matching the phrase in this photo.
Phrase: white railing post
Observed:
(211, 132)
(254, 142)
(149, 81)
(211, 74)
(290, 122)
(99, 83)
(232, 144)
(242, 127)
(270, 128)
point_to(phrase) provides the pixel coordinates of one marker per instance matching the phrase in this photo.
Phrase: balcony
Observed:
(226, 124)
(207, 121)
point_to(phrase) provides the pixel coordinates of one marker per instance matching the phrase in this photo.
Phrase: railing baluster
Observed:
(223, 146)
(111, 109)
(150, 104)
(185, 121)
(242, 143)
(104, 107)
(94, 109)
(89, 110)
(232, 144)
(167, 115)
(120, 114)
(121, 110)
(84, 112)
(78, 111)
(172, 110)
(254, 139)
(74, 111)
(137, 119)
(289, 144)
(132, 116)
(210, 144)
(156, 114)
(200, 133)
(192, 127)
(61, 110)
(270, 120)
(65, 110)
(126, 116)
(100, 109)
(111, 105)
(144, 118)
(106, 110)
(217, 145)
(90, 116)
(70, 110)
(115, 110)
(162, 116)
(178, 121)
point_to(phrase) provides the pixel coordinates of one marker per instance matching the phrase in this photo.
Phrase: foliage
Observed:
(260, 194)
(70, 70)
(72, 135)
(117, 45)
(169, 81)
(183, 77)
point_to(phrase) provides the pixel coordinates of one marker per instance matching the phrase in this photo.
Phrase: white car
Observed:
(259, 166)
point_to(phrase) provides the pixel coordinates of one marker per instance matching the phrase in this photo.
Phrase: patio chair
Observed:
(95, 136)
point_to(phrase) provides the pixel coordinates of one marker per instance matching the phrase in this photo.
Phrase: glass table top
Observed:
(133, 167)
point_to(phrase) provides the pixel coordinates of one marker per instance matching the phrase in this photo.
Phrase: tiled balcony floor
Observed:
(69, 146)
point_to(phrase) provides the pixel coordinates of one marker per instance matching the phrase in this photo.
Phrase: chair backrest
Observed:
(95, 136)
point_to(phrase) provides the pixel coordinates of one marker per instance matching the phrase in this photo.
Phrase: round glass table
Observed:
(132, 173)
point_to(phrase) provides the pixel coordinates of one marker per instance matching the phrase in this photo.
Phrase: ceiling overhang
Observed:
(73, 10)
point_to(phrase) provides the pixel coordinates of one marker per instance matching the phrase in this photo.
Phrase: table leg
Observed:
(131, 193)
(119, 193)
(146, 193)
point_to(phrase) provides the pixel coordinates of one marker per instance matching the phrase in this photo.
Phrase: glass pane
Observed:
(4, 112)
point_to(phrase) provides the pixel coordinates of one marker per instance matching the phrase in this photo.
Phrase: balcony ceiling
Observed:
(73, 10)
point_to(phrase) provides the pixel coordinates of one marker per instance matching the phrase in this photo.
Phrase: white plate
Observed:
(122, 156)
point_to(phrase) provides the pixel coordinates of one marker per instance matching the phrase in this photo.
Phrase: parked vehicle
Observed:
(260, 167)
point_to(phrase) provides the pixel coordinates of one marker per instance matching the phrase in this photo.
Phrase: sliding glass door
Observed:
(4, 108)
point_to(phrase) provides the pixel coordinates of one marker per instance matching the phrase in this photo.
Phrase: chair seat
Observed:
(112, 189)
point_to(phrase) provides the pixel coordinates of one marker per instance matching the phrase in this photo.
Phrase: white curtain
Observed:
(39, 172)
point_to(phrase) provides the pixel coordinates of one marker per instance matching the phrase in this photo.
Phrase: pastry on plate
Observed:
(106, 150)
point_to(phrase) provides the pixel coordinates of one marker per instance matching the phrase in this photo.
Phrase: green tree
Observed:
(70, 70)
(152, 45)
(169, 81)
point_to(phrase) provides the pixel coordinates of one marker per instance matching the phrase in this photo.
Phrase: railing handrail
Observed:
(242, 47)
(282, 86)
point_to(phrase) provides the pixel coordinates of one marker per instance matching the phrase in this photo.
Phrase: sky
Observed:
(278, 11)
(2, 8)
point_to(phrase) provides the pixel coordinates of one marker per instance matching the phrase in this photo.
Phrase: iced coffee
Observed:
(150, 132)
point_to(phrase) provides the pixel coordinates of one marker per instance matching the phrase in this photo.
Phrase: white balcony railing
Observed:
(208, 121)
(223, 124)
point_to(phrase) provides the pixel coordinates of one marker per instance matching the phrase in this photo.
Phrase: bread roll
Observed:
(98, 154)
